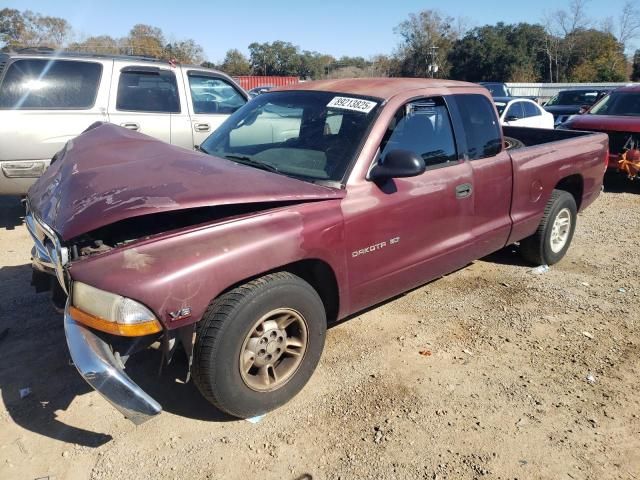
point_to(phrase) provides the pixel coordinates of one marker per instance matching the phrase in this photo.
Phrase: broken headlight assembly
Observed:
(111, 313)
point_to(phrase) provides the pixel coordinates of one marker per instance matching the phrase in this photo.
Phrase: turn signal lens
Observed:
(111, 313)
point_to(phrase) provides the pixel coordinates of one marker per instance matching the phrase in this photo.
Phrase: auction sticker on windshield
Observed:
(355, 104)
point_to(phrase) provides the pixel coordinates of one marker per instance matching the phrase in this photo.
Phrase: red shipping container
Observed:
(252, 81)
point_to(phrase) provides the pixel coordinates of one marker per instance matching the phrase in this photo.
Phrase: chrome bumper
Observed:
(47, 255)
(99, 367)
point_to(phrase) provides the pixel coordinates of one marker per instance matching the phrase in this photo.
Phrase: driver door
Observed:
(407, 231)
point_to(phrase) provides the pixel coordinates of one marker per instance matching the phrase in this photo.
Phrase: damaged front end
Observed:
(102, 329)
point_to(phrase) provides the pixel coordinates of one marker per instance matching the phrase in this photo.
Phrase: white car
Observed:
(521, 112)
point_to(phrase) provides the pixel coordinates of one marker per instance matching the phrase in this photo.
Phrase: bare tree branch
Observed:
(629, 23)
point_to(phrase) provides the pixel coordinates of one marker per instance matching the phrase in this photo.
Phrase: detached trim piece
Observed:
(99, 367)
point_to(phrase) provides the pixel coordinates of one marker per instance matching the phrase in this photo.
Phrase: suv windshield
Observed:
(618, 103)
(496, 89)
(305, 134)
(581, 97)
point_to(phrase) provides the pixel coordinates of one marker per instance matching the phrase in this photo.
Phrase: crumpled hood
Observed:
(604, 123)
(109, 173)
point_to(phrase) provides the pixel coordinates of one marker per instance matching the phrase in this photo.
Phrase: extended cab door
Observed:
(211, 99)
(406, 231)
(143, 98)
(480, 141)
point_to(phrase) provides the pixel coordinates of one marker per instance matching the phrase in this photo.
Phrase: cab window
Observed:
(530, 110)
(482, 132)
(423, 127)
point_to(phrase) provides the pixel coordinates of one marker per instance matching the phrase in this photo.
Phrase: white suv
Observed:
(45, 100)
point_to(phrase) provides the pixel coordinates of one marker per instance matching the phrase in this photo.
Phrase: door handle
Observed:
(131, 125)
(464, 190)
(201, 127)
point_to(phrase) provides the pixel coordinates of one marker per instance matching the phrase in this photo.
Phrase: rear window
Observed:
(530, 110)
(50, 84)
(148, 91)
(481, 129)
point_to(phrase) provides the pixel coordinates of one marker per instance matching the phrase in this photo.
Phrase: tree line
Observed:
(27, 29)
(565, 46)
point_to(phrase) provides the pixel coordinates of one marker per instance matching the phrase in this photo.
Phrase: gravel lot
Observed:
(491, 372)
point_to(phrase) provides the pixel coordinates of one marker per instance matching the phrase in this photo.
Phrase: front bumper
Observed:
(98, 365)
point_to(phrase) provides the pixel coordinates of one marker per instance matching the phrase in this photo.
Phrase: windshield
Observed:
(305, 134)
(618, 103)
(578, 98)
(497, 89)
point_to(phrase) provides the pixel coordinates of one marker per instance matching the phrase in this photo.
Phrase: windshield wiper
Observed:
(243, 159)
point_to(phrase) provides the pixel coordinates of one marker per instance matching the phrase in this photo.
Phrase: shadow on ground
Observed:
(509, 255)
(619, 183)
(11, 212)
(34, 355)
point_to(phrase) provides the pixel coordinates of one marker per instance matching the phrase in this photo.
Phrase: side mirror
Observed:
(398, 164)
(511, 118)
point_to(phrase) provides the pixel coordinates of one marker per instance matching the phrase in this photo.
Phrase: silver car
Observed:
(46, 100)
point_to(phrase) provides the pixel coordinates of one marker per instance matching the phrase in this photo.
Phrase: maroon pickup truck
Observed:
(309, 204)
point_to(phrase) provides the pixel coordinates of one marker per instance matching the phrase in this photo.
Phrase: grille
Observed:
(2, 65)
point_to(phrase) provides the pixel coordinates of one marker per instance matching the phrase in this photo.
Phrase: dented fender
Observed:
(177, 274)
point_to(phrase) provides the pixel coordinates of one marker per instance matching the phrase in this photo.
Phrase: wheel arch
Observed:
(573, 184)
(317, 273)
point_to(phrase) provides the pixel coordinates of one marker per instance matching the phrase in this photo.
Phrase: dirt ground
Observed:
(521, 376)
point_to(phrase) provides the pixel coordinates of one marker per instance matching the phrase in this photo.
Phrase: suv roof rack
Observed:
(51, 51)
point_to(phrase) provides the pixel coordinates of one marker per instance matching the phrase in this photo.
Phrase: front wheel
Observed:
(555, 232)
(258, 344)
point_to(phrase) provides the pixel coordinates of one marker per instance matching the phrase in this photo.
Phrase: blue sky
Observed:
(337, 27)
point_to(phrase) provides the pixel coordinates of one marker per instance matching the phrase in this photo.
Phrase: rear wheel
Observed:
(258, 344)
(555, 232)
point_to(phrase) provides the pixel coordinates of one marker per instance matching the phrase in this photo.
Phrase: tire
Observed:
(511, 143)
(540, 248)
(230, 327)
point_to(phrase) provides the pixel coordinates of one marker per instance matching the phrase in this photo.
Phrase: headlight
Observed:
(111, 313)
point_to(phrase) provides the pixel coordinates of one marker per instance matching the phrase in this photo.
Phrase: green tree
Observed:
(29, 29)
(101, 44)
(596, 57)
(499, 52)
(145, 40)
(635, 72)
(184, 51)
(235, 63)
(276, 58)
(313, 65)
(427, 38)
(12, 28)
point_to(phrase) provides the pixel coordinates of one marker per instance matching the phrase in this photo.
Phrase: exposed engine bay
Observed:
(133, 229)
